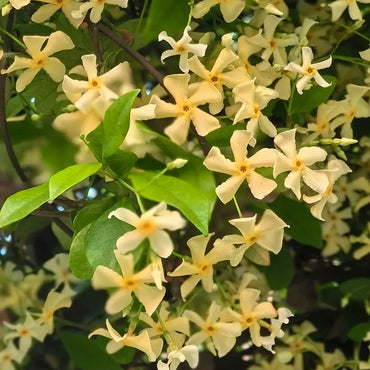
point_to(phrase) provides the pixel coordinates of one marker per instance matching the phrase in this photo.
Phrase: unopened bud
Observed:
(177, 163)
(5, 10)
(277, 67)
(70, 108)
(35, 117)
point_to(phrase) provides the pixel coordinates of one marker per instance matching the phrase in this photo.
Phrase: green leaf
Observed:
(281, 270)
(78, 262)
(221, 136)
(102, 236)
(85, 353)
(121, 162)
(313, 97)
(21, 204)
(124, 356)
(357, 289)
(63, 180)
(166, 15)
(190, 200)
(116, 123)
(304, 228)
(359, 331)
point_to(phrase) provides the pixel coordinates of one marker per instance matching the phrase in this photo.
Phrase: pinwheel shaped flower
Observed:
(243, 168)
(40, 58)
(182, 48)
(126, 284)
(150, 226)
(190, 354)
(309, 70)
(186, 108)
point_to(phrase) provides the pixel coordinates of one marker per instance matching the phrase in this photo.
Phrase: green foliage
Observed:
(357, 289)
(63, 180)
(359, 331)
(189, 199)
(313, 97)
(166, 15)
(304, 228)
(85, 353)
(21, 204)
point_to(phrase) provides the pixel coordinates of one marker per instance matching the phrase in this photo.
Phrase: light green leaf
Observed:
(304, 228)
(117, 122)
(70, 176)
(21, 204)
(85, 353)
(190, 200)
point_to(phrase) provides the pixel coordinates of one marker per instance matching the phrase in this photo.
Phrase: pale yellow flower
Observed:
(243, 168)
(186, 107)
(9, 355)
(126, 284)
(182, 48)
(150, 225)
(189, 353)
(41, 59)
(339, 6)
(201, 266)
(216, 332)
(309, 70)
(141, 342)
(230, 9)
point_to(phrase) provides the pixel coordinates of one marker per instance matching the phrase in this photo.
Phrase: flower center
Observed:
(322, 126)
(39, 62)
(59, 2)
(249, 320)
(296, 346)
(210, 329)
(180, 49)
(256, 111)
(146, 226)
(94, 83)
(272, 44)
(6, 357)
(24, 332)
(251, 238)
(310, 71)
(351, 114)
(129, 283)
(215, 79)
(244, 170)
(298, 165)
(204, 268)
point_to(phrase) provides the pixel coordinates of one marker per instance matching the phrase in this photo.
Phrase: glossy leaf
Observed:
(65, 179)
(21, 204)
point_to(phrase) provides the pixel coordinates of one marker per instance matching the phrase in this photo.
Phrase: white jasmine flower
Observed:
(9, 355)
(297, 164)
(149, 225)
(41, 59)
(243, 168)
(339, 6)
(309, 70)
(182, 48)
(190, 354)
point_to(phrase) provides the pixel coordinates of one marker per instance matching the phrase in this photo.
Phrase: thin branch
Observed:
(94, 35)
(3, 124)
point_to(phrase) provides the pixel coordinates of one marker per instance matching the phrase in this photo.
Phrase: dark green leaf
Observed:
(63, 180)
(21, 204)
(121, 162)
(313, 97)
(304, 228)
(166, 15)
(78, 262)
(221, 136)
(190, 200)
(359, 332)
(85, 353)
(124, 356)
(102, 236)
(357, 289)
(117, 122)
(281, 270)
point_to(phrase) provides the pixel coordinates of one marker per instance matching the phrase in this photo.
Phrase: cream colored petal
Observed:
(26, 78)
(197, 49)
(54, 68)
(113, 347)
(224, 59)
(34, 44)
(302, 83)
(272, 240)
(161, 243)
(204, 123)
(177, 85)
(96, 11)
(265, 310)
(19, 63)
(101, 331)
(311, 155)
(354, 11)
(220, 253)
(248, 298)
(74, 86)
(188, 285)
(57, 41)
(260, 186)
(205, 93)
(203, 8)
(143, 343)
(293, 67)
(105, 278)
(245, 225)
(254, 331)
(215, 161)
(179, 129)
(244, 93)
(150, 297)
(44, 12)
(198, 245)
(197, 67)
(89, 63)
(238, 255)
(184, 269)
(316, 180)
(118, 301)
(164, 109)
(293, 181)
(231, 9)
(239, 141)
(285, 141)
(265, 157)
(170, 220)
(266, 126)
(194, 317)
(227, 190)
(125, 215)
(324, 64)
(129, 241)
(86, 101)
(320, 81)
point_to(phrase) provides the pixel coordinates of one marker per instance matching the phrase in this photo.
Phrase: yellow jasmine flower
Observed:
(190, 354)
(230, 9)
(339, 6)
(126, 284)
(41, 59)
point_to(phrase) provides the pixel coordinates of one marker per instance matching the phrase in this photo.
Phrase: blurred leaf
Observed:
(281, 270)
(63, 239)
(357, 289)
(359, 332)
(304, 228)
(313, 97)
(85, 353)
(78, 262)
(102, 236)
(124, 356)
(21, 204)
(63, 180)
(189, 199)
(166, 15)
(116, 123)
